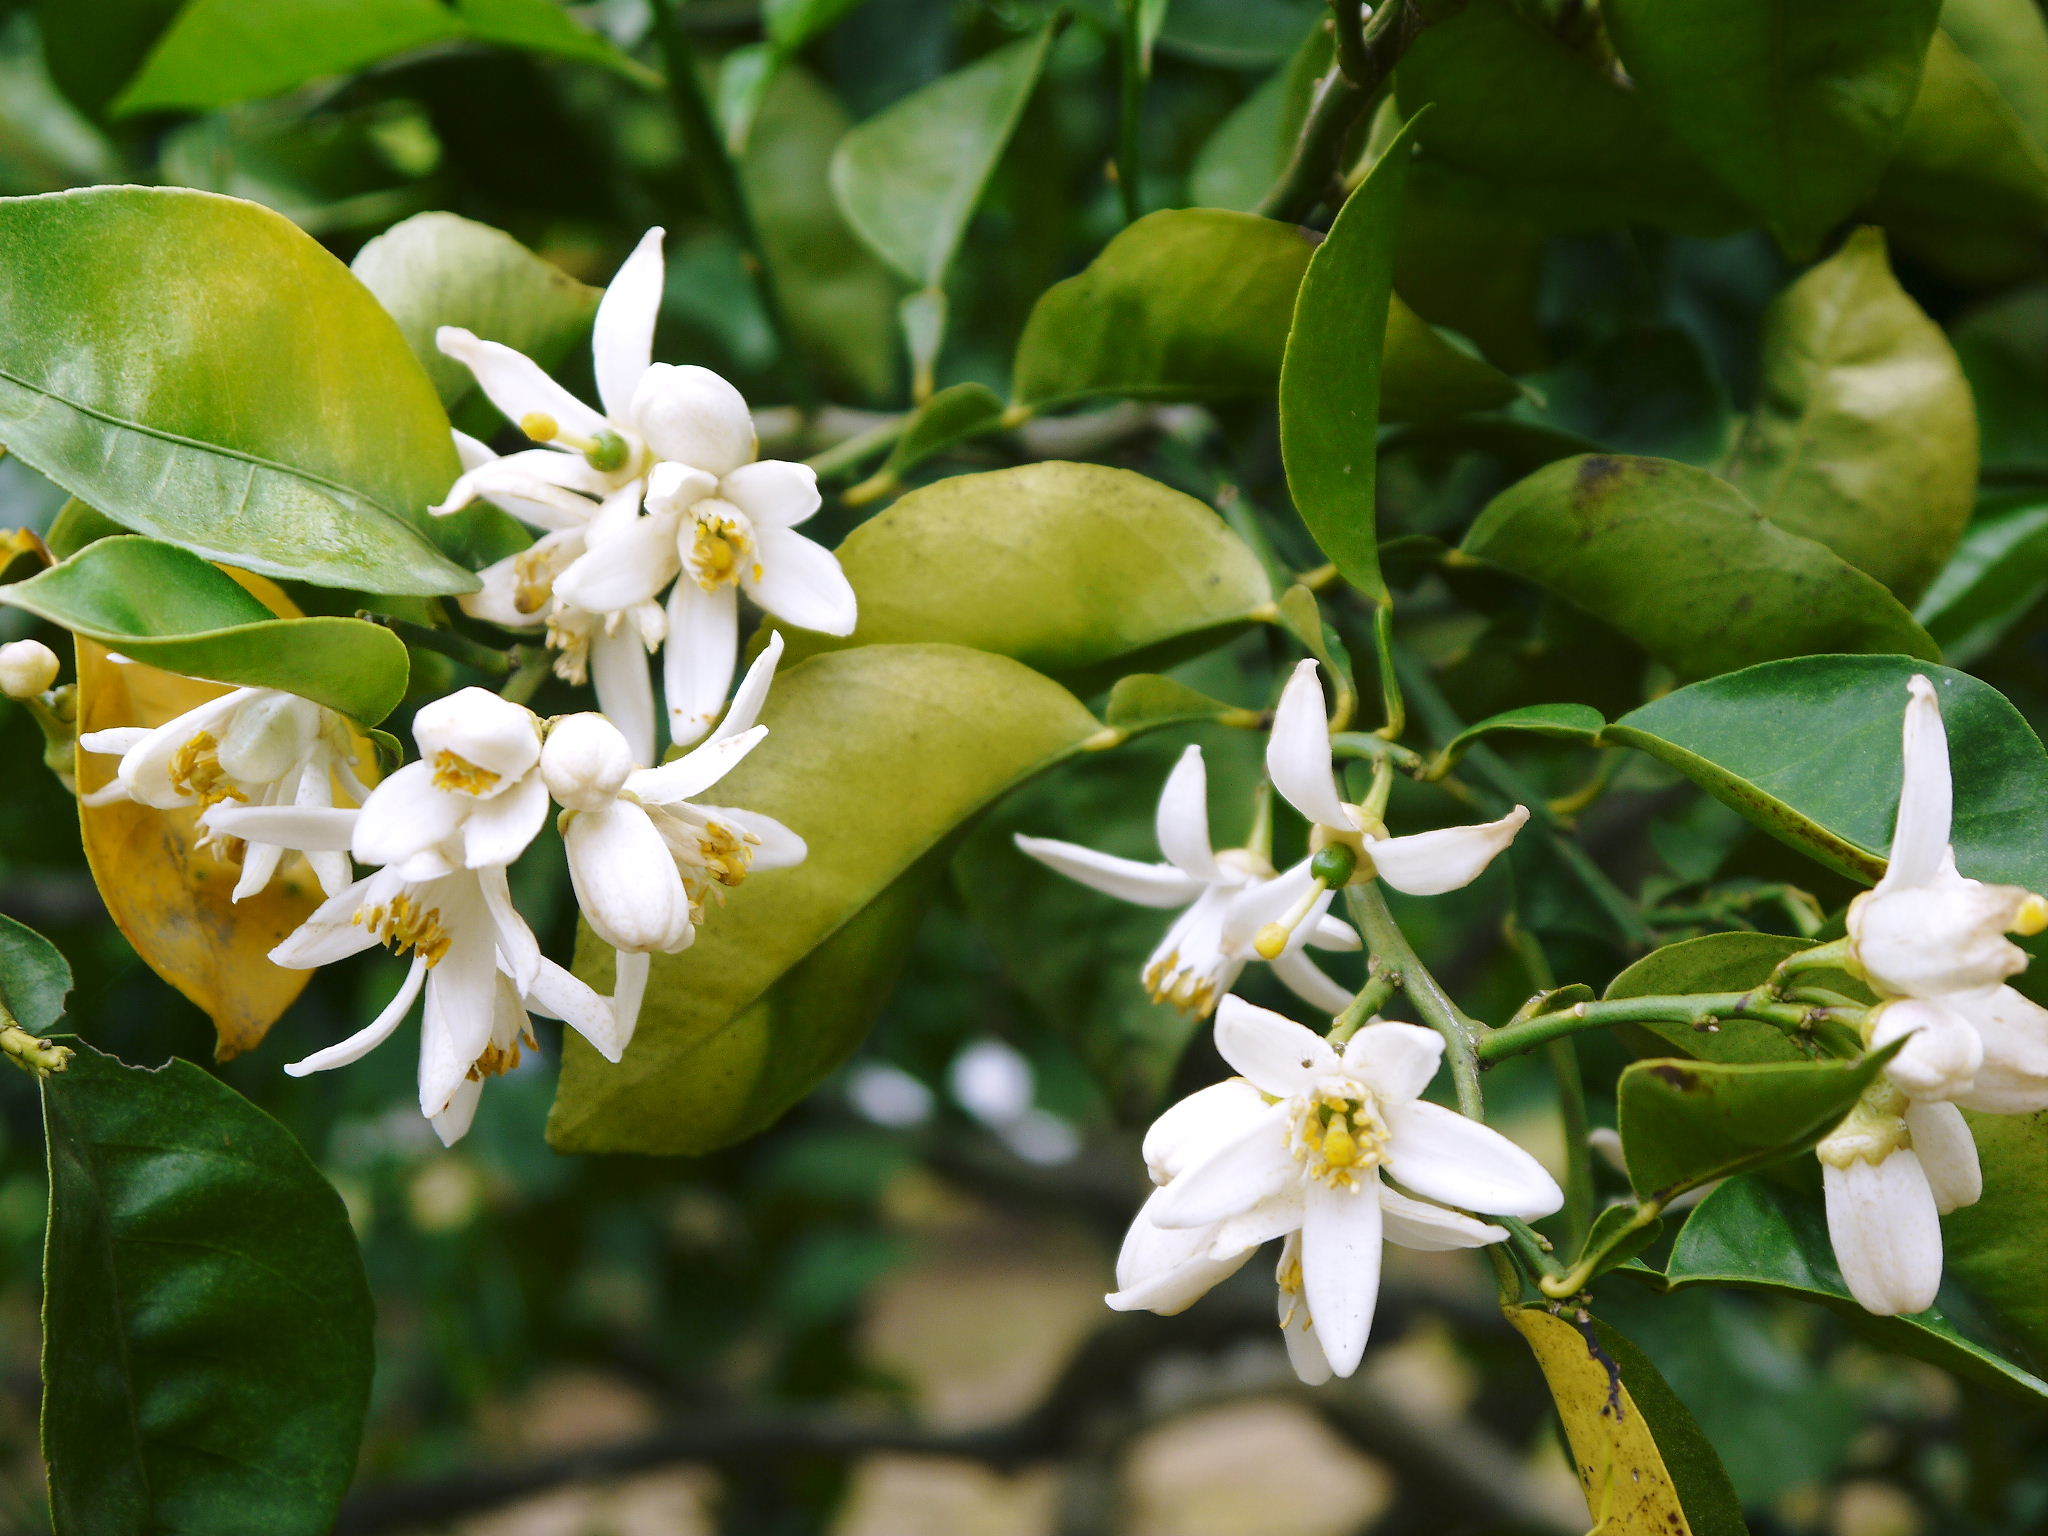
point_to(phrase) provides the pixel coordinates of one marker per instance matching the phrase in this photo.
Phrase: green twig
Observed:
(1589, 1264)
(1134, 68)
(473, 654)
(1341, 102)
(1571, 1095)
(1394, 955)
(39, 1058)
(1702, 1009)
(1392, 700)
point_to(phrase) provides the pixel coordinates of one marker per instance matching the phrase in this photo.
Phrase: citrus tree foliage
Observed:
(1439, 603)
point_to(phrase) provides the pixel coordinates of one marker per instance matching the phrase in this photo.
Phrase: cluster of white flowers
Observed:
(1330, 1151)
(1932, 944)
(661, 488)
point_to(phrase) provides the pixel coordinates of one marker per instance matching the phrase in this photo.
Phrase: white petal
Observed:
(516, 385)
(696, 770)
(776, 847)
(691, 415)
(1243, 1172)
(1947, 1153)
(363, 1041)
(462, 1000)
(622, 336)
(1275, 1216)
(1191, 1128)
(752, 693)
(1271, 901)
(801, 583)
(1182, 821)
(1305, 979)
(497, 831)
(774, 493)
(1328, 932)
(1148, 885)
(483, 729)
(1167, 1270)
(331, 932)
(1926, 795)
(562, 995)
(622, 673)
(518, 950)
(259, 863)
(626, 880)
(1431, 863)
(629, 989)
(1304, 1349)
(453, 1123)
(1396, 1061)
(2013, 1077)
(115, 739)
(622, 567)
(697, 663)
(1886, 1233)
(1440, 1154)
(675, 488)
(497, 601)
(1432, 1228)
(308, 828)
(1298, 752)
(530, 485)
(405, 815)
(1340, 1268)
(1941, 1053)
(1280, 1056)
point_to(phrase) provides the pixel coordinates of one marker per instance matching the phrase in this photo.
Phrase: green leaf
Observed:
(161, 604)
(1994, 1246)
(1864, 436)
(222, 51)
(1808, 750)
(1145, 701)
(875, 757)
(1680, 562)
(77, 525)
(1079, 570)
(2003, 347)
(1794, 104)
(34, 976)
(196, 368)
(1649, 389)
(1238, 164)
(1330, 373)
(92, 51)
(793, 23)
(206, 1322)
(1684, 1123)
(840, 299)
(1761, 1235)
(1196, 303)
(908, 179)
(1550, 127)
(1643, 1463)
(1616, 1225)
(1997, 576)
(437, 269)
(955, 412)
(1561, 722)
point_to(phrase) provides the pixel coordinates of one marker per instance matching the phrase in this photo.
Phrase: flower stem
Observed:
(473, 654)
(1698, 1008)
(1391, 951)
(1133, 69)
(1341, 102)
(1571, 1096)
(1379, 986)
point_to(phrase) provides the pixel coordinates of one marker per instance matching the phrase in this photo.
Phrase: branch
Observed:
(1700, 1009)
(1341, 103)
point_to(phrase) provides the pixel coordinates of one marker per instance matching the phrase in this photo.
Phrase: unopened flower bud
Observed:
(585, 761)
(27, 669)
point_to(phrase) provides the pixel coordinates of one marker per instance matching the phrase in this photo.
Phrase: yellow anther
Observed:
(1271, 939)
(453, 771)
(540, 426)
(196, 771)
(2032, 916)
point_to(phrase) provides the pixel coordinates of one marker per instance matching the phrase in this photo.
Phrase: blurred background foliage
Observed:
(582, 1345)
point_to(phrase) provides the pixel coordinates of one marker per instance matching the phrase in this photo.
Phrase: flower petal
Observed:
(497, 831)
(774, 493)
(691, 415)
(331, 931)
(1886, 1233)
(696, 770)
(1278, 1055)
(453, 1123)
(518, 950)
(1920, 836)
(1305, 979)
(622, 673)
(1182, 821)
(1941, 1053)
(626, 880)
(1947, 1153)
(775, 846)
(629, 989)
(1340, 1267)
(2013, 1077)
(516, 385)
(1275, 1216)
(1240, 1174)
(560, 994)
(1440, 1154)
(1298, 752)
(404, 815)
(1328, 932)
(697, 662)
(462, 1001)
(621, 567)
(1167, 1270)
(1148, 885)
(801, 583)
(622, 336)
(1432, 1228)
(1191, 1128)
(307, 828)
(372, 1035)
(1395, 1060)
(259, 863)
(543, 487)
(1431, 863)
(752, 693)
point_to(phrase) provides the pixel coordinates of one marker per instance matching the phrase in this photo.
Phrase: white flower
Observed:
(1890, 1171)
(251, 747)
(1422, 864)
(475, 797)
(27, 668)
(643, 859)
(1933, 944)
(1296, 1149)
(1228, 897)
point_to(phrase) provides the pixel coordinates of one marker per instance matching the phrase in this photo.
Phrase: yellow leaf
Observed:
(169, 896)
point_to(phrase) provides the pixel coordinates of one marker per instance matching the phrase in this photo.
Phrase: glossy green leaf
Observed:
(92, 51)
(437, 269)
(1330, 372)
(206, 1322)
(792, 23)
(955, 412)
(1681, 562)
(34, 976)
(222, 51)
(1684, 1123)
(1997, 576)
(909, 178)
(1145, 701)
(1616, 1226)
(1794, 104)
(1561, 722)
(875, 756)
(1864, 436)
(1644, 1465)
(1302, 616)
(839, 297)
(1994, 1247)
(1808, 750)
(1550, 127)
(164, 605)
(1762, 1235)
(1079, 570)
(1646, 390)
(197, 369)
(77, 525)
(1195, 304)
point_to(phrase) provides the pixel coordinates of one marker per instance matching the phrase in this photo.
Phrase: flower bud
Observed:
(694, 417)
(474, 729)
(585, 761)
(27, 669)
(1941, 1054)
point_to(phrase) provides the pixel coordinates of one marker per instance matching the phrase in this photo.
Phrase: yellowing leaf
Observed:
(167, 895)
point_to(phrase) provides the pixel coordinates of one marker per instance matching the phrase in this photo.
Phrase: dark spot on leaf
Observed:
(1679, 1076)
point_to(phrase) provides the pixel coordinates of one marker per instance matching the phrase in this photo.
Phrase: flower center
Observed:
(456, 772)
(1339, 1136)
(196, 771)
(719, 549)
(533, 579)
(498, 1059)
(718, 859)
(1191, 990)
(404, 924)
